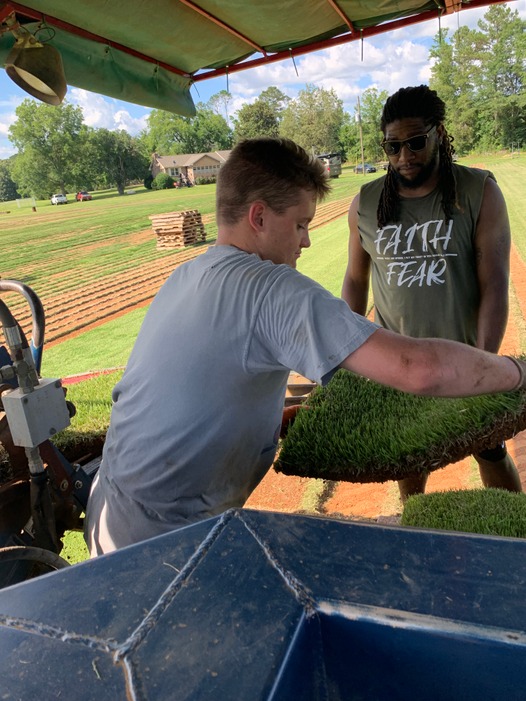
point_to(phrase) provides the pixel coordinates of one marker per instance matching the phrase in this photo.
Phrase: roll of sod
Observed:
(484, 511)
(356, 430)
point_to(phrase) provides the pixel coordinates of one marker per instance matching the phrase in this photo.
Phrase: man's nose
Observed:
(305, 240)
(405, 153)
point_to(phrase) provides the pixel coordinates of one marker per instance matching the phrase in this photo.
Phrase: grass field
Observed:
(61, 250)
(510, 172)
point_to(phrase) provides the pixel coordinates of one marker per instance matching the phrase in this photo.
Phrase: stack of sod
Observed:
(485, 511)
(356, 430)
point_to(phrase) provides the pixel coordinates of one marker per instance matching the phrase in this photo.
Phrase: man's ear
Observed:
(256, 215)
(441, 130)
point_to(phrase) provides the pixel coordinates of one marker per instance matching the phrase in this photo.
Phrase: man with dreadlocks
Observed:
(435, 236)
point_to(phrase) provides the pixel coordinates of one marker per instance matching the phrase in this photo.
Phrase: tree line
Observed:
(479, 73)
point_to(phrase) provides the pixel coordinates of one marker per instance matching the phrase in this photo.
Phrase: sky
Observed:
(387, 62)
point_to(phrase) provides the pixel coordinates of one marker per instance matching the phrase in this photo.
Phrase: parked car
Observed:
(59, 199)
(332, 163)
(83, 195)
(368, 168)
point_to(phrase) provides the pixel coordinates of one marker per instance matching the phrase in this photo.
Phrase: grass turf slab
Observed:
(485, 511)
(356, 430)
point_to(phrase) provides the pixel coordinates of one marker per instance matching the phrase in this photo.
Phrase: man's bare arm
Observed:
(432, 367)
(355, 289)
(492, 249)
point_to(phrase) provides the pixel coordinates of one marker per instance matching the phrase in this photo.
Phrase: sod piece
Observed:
(484, 511)
(356, 430)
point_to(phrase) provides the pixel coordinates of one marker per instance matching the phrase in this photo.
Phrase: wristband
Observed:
(521, 382)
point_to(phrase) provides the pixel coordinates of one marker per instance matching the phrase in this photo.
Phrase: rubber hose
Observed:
(28, 552)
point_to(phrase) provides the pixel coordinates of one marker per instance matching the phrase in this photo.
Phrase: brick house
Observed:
(189, 165)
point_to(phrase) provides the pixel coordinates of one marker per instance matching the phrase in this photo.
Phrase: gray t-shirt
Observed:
(196, 416)
(424, 274)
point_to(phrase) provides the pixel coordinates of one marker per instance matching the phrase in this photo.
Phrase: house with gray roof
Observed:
(189, 165)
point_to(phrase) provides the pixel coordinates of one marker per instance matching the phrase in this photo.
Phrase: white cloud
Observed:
(385, 63)
(6, 149)
(133, 125)
(102, 112)
(6, 120)
(11, 101)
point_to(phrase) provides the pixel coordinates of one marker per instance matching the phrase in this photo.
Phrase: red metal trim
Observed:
(5, 11)
(78, 31)
(342, 14)
(223, 25)
(337, 41)
(452, 6)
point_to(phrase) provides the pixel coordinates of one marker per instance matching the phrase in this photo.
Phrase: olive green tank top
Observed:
(424, 276)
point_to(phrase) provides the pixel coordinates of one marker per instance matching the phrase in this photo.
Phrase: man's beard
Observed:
(422, 177)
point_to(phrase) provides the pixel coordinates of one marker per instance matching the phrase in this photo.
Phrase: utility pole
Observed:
(361, 135)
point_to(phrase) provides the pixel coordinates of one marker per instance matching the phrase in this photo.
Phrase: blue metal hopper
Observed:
(268, 606)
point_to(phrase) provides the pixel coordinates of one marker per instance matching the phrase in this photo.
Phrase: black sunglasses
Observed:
(415, 143)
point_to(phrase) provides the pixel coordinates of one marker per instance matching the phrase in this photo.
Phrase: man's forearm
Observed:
(356, 296)
(432, 367)
(492, 322)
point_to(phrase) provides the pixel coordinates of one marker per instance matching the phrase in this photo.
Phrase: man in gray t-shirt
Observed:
(197, 415)
(434, 238)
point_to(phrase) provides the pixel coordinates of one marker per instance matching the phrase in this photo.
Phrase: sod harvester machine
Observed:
(246, 605)
(42, 494)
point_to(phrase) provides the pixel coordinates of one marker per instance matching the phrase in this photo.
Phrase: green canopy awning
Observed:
(150, 53)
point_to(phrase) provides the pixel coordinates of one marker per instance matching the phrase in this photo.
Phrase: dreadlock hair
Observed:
(418, 102)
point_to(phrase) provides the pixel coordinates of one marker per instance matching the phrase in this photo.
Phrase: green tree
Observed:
(220, 104)
(504, 49)
(512, 119)
(208, 132)
(276, 100)
(314, 120)
(166, 133)
(256, 119)
(8, 189)
(349, 138)
(443, 70)
(502, 77)
(454, 76)
(117, 158)
(371, 106)
(171, 134)
(262, 117)
(50, 142)
(480, 75)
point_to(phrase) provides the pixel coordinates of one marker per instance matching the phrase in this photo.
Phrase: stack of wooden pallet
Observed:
(178, 229)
